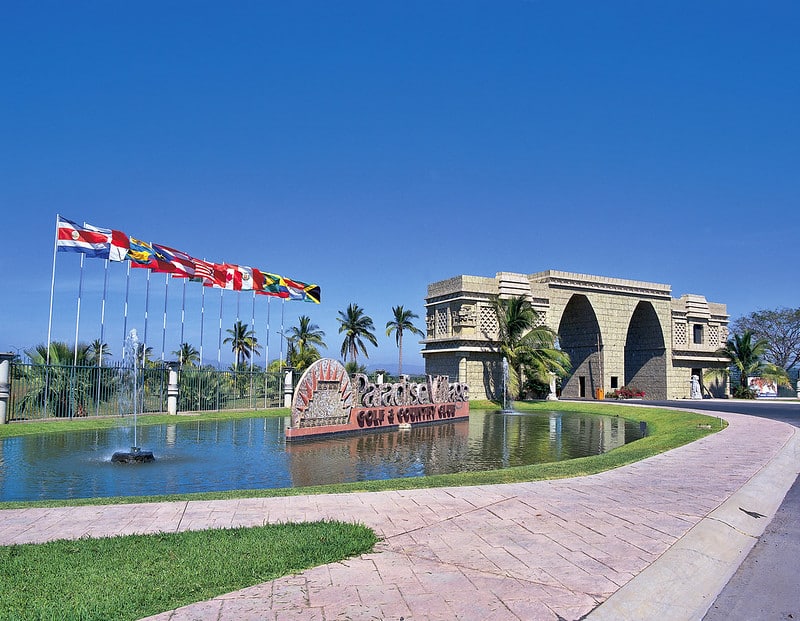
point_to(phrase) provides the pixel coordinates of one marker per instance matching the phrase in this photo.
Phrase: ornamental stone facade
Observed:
(617, 333)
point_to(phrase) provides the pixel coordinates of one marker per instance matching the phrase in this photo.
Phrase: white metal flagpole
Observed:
(266, 356)
(253, 323)
(102, 336)
(183, 308)
(164, 325)
(146, 313)
(78, 313)
(202, 319)
(52, 291)
(219, 337)
(125, 311)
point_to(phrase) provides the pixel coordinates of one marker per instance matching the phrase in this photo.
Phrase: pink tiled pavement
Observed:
(543, 550)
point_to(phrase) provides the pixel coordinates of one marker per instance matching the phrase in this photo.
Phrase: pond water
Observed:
(203, 456)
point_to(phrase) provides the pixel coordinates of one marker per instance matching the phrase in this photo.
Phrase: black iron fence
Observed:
(66, 391)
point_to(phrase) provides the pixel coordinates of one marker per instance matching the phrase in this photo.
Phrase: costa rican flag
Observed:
(90, 240)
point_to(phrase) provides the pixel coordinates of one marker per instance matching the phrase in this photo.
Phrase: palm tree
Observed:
(60, 354)
(97, 352)
(143, 354)
(302, 340)
(745, 356)
(356, 327)
(243, 342)
(187, 355)
(400, 324)
(306, 333)
(62, 388)
(528, 346)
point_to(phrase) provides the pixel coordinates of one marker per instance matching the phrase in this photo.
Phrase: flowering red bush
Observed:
(627, 392)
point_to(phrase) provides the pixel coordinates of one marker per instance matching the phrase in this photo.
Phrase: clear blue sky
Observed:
(375, 147)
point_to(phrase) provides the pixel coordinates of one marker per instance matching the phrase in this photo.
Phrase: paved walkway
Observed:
(655, 539)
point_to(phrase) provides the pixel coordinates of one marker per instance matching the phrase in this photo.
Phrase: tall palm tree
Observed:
(356, 327)
(60, 354)
(302, 340)
(306, 333)
(745, 356)
(187, 355)
(243, 341)
(97, 352)
(400, 324)
(528, 346)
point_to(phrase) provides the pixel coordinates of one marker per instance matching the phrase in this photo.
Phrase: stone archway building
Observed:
(617, 332)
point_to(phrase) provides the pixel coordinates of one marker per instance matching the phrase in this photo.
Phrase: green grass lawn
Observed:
(136, 576)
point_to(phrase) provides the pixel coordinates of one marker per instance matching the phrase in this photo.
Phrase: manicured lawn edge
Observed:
(667, 429)
(135, 576)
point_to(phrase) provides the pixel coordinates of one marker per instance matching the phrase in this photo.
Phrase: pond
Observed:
(205, 456)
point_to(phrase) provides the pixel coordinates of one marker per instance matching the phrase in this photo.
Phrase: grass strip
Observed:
(136, 576)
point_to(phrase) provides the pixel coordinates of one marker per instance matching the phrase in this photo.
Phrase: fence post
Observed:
(5, 385)
(287, 388)
(172, 387)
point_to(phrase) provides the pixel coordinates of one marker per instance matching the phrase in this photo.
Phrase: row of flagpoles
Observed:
(115, 246)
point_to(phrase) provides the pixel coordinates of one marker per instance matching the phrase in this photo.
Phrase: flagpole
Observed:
(253, 323)
(146, 313)
(102, 336)
(202, 319)
(50, 321)
(266, 357)
(78, 313)
(52, 291)
(164, 325)
(283, 306)
(183, 308)
(125, 312)
(219, 337)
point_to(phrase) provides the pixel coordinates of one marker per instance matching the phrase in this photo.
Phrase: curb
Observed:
(683, 583)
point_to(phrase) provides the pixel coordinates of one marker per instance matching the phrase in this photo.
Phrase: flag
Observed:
(302, 291)
(211, 274)
(118, 242)
(90, 240)
(274, 285)
(176, 261)
(259, 280)
(141, 254)
(239, 277)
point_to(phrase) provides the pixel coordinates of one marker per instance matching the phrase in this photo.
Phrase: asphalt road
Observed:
(767, 584)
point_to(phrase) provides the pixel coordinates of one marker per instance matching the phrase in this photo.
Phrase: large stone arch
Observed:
(646, 353)
(579, 336)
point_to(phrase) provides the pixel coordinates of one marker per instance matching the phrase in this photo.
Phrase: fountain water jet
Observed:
(506, 400)
(129, 400)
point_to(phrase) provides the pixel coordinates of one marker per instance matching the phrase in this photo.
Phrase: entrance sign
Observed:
(326, 402)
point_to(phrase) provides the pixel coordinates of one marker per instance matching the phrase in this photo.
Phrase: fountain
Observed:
(129, 400)
(506, 401)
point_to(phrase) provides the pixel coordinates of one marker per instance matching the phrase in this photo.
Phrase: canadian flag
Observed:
(239, 278)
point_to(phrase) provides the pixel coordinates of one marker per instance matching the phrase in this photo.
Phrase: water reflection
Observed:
(196, 456)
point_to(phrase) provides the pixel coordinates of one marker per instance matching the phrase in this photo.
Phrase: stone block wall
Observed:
(618, 332)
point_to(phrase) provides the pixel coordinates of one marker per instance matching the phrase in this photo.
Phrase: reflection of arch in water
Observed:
(579, 336)
(645, 352)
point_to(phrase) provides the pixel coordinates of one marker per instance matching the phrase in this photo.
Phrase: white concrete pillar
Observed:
(5, 385)
(287, 388)
(172, 388)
